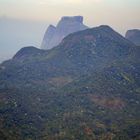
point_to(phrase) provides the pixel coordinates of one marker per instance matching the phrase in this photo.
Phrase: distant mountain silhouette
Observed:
(66, 25)
(134, 36)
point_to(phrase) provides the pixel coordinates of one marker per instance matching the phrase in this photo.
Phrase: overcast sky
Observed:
(120, 14)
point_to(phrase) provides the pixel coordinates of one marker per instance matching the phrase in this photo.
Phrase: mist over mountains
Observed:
(54, 35)
(15, 34)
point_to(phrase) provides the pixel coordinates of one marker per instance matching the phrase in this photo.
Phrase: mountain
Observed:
(78, 54)
(134, 36)
(85, 88)
(66, 25)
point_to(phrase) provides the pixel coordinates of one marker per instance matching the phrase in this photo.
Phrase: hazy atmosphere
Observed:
(69, 69)
(29, 19)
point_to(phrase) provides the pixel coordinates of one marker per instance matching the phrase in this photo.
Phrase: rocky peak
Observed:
(66, 26)
(51, 29)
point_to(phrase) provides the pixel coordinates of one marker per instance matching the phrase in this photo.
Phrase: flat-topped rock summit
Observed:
(54, 35)
(72, 19)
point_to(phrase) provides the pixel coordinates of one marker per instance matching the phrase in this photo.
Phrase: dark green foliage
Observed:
(87, 88)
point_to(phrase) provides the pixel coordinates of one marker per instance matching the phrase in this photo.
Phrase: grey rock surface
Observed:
(133, 36)
(67, 25)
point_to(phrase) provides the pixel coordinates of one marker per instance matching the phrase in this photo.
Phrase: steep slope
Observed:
(46, 43)
(66, 25)
(86, 88)
(134, 36)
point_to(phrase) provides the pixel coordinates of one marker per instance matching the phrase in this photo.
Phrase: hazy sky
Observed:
(120, 14)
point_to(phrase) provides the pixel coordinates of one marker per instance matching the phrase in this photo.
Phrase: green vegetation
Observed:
(81, 90)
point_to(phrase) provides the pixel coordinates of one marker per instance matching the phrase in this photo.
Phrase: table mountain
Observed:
(66, 25)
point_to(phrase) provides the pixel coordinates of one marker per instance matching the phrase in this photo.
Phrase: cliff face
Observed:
(65, 26)
(133, 36)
